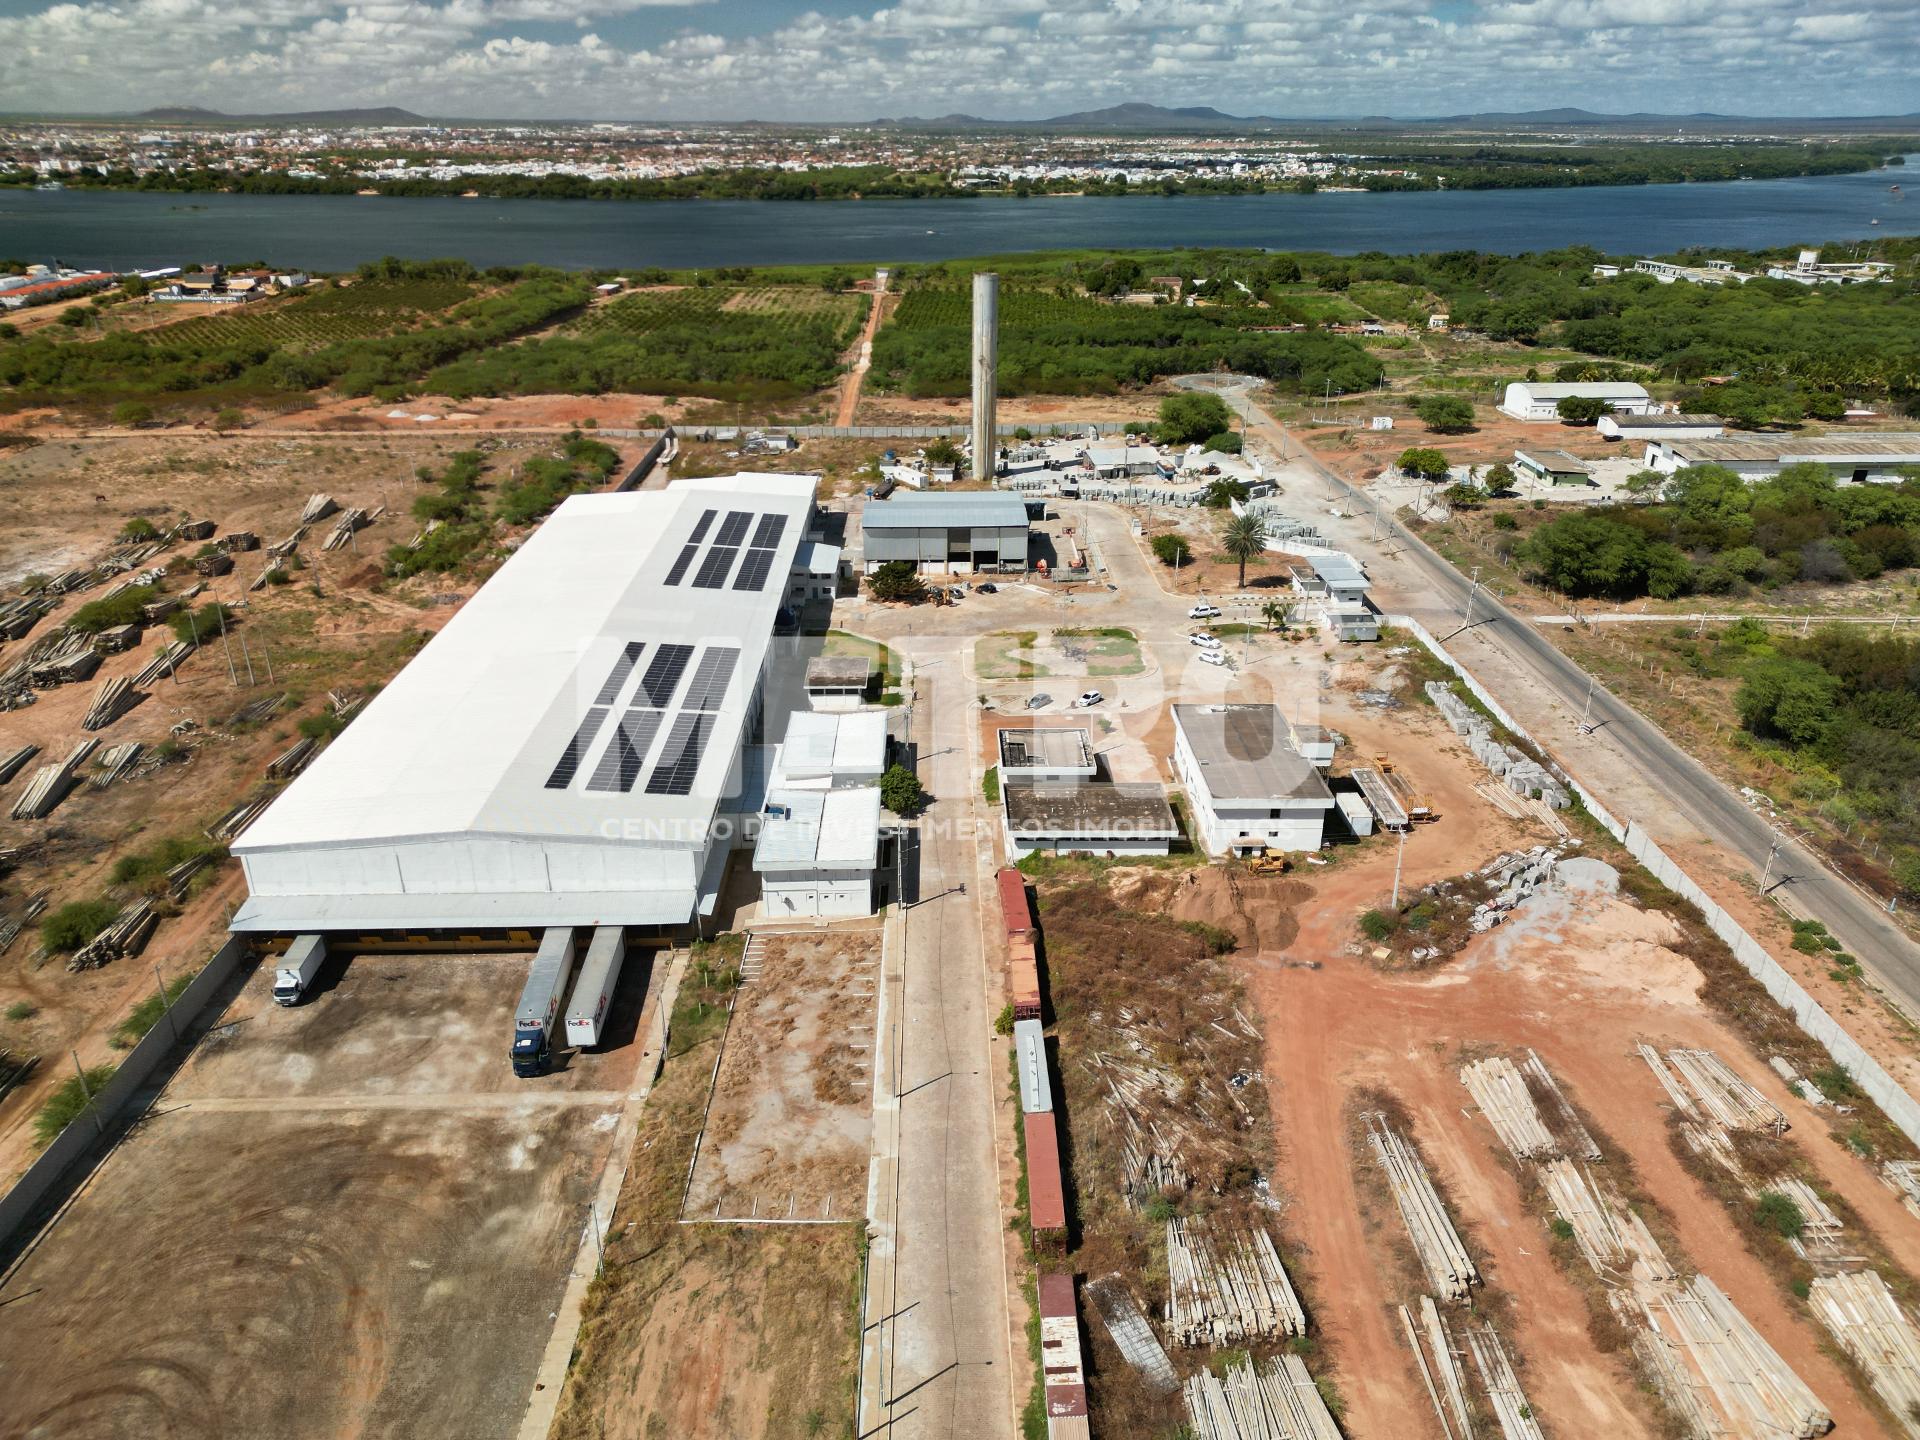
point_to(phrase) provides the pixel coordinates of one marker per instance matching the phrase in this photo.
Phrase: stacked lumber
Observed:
(1902, 1176)
(1610, 1236)
(19, 615)
(180, 877)
(193, 529)
(1737, 1373)
(112, 700)
(292, 760)
(154, 611)
(125, 935)
(1442, 1254)
(1142, 1100)
(1509, 1401)
(256, 711)
(1798, 1083)
(1821, 1228)
(51, 783)
(286, 547)
(1445, 1364)
(12, 925)
(345, 706)
(1279, 1402)
(228, 827)
(350, 520)
(265, 578)
(318, 507)
(115, 762)
(11, 765)
(217, 562)
(1131, 1334)
(1702, 1084)
(165, 663)
(235, 541)
(1500, 1092)
(71, 663)
(1227, 1289)
(1861, 1313)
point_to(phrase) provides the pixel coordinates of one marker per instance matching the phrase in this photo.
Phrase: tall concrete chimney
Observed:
(986, 359)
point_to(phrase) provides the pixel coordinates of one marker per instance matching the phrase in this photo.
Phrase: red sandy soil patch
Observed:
(1028, 410)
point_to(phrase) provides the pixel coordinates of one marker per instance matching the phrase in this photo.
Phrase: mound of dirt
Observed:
(1257, 910)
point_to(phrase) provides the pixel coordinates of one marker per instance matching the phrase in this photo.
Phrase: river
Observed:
(135, 229)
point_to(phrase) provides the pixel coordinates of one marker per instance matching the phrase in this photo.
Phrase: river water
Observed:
(126, 230)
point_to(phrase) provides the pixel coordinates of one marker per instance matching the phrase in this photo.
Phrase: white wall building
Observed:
(1872, 457)
(568, 750)
(830, 751)
(1094, 818)
(817, 853)
(1660, 427)
(1248, 787)
(1536, 400)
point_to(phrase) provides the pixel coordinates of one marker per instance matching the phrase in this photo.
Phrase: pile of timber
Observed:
(19, 615)
(350, 520)
(11, 765)
(1612, 1239)
(1798, 1083)
(126, 935)
(1861, 1313)
(286, 547)
(256, 711)
(292, 760)
(1505, 1094)
(1820, 1227)
(115, 762)
(112, 700)
(318, 507)
(194, 529)
(116, 638)
(1227, 1289)
(180, 877)
(1701, 1084)
(235, 541)
(1442, 1254)
(73, 662)
(154, 611)
(1132, 1335)
(12, 925)
(1902, 1176)
(217, 562)
(1437, 1357)
(1509, 1401)
(1277, 1402)
(1142, 1101)
(1750, 1387)
(51, 783)
(265, 578)
(165, 663)
(228, 827)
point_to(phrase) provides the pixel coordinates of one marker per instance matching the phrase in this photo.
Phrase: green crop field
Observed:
(790, 309)
(312, 322)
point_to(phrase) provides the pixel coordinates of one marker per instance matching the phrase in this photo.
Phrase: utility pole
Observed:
(1773, 850)
(1468, 621)
(166, 1005)
(1397, 855)
(1586, 725)
(99, 1125)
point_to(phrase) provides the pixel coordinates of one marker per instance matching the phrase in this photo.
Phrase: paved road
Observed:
(1413, 579)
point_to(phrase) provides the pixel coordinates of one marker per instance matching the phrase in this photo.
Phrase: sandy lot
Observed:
(790, 1123)
(345, 1218)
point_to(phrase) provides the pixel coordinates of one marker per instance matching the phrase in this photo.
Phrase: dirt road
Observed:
(862, 354)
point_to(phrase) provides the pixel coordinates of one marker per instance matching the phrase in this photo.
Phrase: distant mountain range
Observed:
(1160, 119)
(195, 115)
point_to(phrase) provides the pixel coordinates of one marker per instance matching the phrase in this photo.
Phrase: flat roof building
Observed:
(838, 682)
(1660, 427)
(1248, 788)
(568, 750)
(1537, 400)
(975, 531)
(1097, 818)
(831, 751)
(818, 852)
(1043, 753)
(1553, 467)
(1872, 457)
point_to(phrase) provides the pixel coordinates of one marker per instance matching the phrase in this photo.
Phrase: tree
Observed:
(1789, 699)
(1581, 409)
(1225, 443)
(1645, 482)
(897, 580)
(943, 452)
(139, 528)
(1465, 497)
(1424, 464)
(1275, 614)
(1446, 414)
(1710, 495)
(1192, 417)
(132, 413)
(1244, 538)
(1171, 549)
(900, 791)
(229, 419)
(1220, 494)
(1595, 553)
(1499, 478)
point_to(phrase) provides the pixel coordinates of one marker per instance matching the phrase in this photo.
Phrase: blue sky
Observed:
(848, 60)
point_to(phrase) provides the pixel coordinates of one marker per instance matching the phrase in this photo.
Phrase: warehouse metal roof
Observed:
(821, 830)
(1584, 389)
(982, 508)
(1884, 445)
(595, 689)
(818, 745)
(1244, 754)
(1096, 810)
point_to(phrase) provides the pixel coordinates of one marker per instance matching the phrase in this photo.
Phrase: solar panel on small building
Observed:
(569, 763)
(680, 756)
(616, 677)
(663, 675)
(734, 528)
(714, 568)
(682, 561)
(620, 766)
(711, 678)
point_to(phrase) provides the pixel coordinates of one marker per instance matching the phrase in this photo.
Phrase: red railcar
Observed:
(1014, 910)
(1046, 1189)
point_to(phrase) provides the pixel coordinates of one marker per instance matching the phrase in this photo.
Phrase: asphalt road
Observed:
(1438, 596)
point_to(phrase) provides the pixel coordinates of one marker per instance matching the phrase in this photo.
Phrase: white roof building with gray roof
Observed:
(567, 750)
(1540, 400)
(979, 531)
(1248, 788)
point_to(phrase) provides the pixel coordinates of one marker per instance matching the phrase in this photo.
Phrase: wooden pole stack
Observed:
(51, 783)
(1132, 1335)
(318, 507)
(126, 935)
(1861, 1313)
(1442, 1254)
(12, 765)
(1700, 1083)
(112, 700)
(115, 762)
(343, 530)
(1751, 1386)
(1227, 1292)
(1509, 1401)
(165, 663)
(1279, 1402)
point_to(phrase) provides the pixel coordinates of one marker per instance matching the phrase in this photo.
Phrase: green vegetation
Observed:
(199, 627)
(543, 482)
(1172, 550)
(1055, 341)
(138, 529)
(1580, 409)
(897, 580)
(1244, 538)
(1446, 414)
(990, 785)
(730, 343)
(145, 1015)
(75, 923)
(1423, 463)
(1780, 1214)
(900, 791)
(121, 609)
(25, 1010)
(147, 868)
(69, 1103)
(1191, 418)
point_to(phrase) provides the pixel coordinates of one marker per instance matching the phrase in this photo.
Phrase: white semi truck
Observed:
(297, 968)
(593, 992)
(540, 1002)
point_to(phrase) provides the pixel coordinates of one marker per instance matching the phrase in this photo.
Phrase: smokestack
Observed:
(986, 358)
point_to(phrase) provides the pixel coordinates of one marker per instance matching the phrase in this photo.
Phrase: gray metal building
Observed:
(947, 534)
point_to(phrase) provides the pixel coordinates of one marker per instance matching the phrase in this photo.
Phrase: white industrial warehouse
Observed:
(568, 750)
(1536, 400)
(1250, 789)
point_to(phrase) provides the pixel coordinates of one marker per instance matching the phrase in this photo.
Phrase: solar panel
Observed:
(617, 676)
(682, 561)
(771, 528)
(713, 569)
(569, 763)
(680, 756)
(620, 766)
(711, 678)
(700, 525)
(669, 664)
(754, 570)
(734, 528)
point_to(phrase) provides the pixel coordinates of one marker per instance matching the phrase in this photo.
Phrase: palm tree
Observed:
(1244, 539)
(1275, 614)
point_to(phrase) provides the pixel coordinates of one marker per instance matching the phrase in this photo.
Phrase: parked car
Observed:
(1039, 702)
(1204, 640)
(989, 588)
(1214, 657)
(1090, 699)
(1203, 611)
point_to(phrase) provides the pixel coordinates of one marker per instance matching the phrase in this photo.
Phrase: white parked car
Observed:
(1090, 699)
(1204, 640)
(1214, 657)
(1204, 611)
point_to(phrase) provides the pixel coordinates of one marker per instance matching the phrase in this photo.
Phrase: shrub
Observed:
(1505, 521)
(201, 625)
(22, 1010)
(139, 528)
(1778, 1213)
(1376, 925)
(145, 1015)
(897, 580)
(75, 923)
(122, 609)
(1190, 418)
(1225, 443)
(68, 1103)
(1172, 550)
(132, 412)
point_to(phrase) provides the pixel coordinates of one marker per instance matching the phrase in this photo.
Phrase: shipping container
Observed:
(1046, 1189)
(1014, 911)
(1030, 1060)
(1062, 1374)
(540, 1002)
(1023, 987)
(593, 992)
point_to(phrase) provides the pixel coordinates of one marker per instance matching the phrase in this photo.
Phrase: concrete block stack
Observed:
(1522, 774)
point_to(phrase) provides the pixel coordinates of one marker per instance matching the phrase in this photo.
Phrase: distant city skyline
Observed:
(838, 61)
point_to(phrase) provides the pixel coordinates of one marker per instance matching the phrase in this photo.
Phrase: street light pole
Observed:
(1471, 594)
(1397, 854)
(1773, 850)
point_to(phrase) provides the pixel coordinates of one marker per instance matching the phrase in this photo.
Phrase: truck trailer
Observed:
(593, 992)
(297, 968)
(540, 1002)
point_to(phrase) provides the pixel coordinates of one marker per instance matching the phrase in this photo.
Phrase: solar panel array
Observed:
(669, 664)
(625, 756)
(713, 569)
(616, 677)
(724, 549)
(680, 756)
(576, 751)
(710, 680)
(620, 765)
(759, 562)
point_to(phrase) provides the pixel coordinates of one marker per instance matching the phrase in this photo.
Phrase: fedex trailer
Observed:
(540, 1002)
(593, 992)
